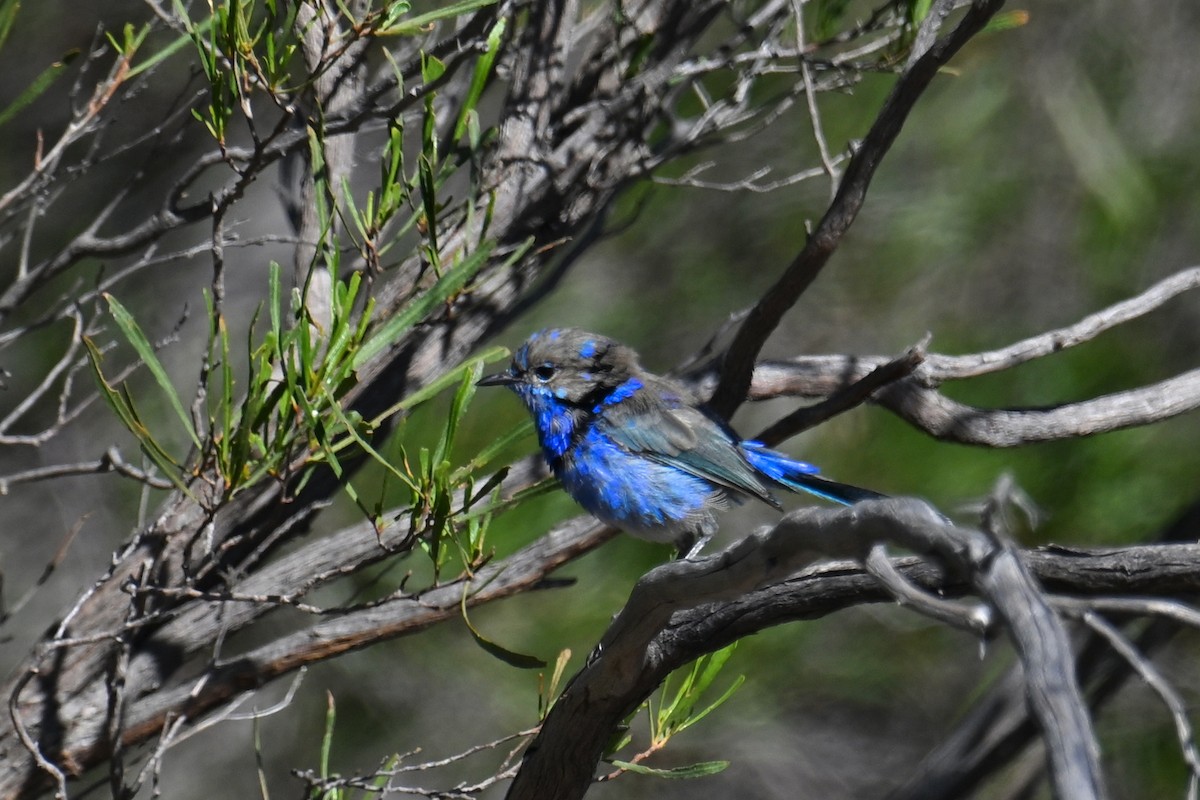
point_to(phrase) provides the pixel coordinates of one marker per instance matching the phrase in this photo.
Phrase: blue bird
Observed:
(639, 451)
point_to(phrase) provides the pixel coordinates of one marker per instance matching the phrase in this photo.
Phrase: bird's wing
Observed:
(686, 438)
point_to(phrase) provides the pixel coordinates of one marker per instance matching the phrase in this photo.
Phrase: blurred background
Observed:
(1050, 172)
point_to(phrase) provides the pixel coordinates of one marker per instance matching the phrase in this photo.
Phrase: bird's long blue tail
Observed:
(800, 476)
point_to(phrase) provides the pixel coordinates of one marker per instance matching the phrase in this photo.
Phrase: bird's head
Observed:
(567, 366)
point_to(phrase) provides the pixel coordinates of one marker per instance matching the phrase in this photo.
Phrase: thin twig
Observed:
(810, 97)
(1162, 687)
(111, 461)
(974, 618)
(845, 399)
(43, 763)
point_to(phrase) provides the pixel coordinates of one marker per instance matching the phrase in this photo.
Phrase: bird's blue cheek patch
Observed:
(622, 392)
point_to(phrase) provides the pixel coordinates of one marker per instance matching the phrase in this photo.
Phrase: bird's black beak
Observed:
(499, 379)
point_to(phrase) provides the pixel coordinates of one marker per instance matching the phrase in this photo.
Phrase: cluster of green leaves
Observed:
(675, 707)
(249, 45)
(420, 190)
(242, 45)
(289, 403)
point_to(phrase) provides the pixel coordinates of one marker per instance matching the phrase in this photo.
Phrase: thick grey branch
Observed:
(684, 609)
(947, 419)
(849, 380)
(998, 727)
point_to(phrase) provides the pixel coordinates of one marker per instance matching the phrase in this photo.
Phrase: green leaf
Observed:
(273, 303)
(709, 668)
(386, 770)
(920, 10)
(440, 292)
(40, 84)
(394, 12)
(8, 15)
(428, 183)
(680, 713)
(698, 770)
(1007, 21)
(458, 407)
(432, 68)
(123, 407)
(483, 69)
(181, 41)
(145, 351)
(418, 23)
(473, 495)
(342, 329)
(695, 717)
(443, 382)
(519, 660)
(327, 736)
(547, 696)
(227, 401)
(340, 415)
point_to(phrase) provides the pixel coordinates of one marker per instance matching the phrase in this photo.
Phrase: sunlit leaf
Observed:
(698, 770)
(135, 336)
(421, 22)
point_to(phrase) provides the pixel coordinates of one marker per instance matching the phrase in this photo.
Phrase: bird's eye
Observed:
(545, 372)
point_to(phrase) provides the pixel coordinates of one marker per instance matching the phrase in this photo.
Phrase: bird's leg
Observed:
(689, 544)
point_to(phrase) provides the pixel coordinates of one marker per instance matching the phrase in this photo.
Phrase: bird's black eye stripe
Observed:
(544, 372)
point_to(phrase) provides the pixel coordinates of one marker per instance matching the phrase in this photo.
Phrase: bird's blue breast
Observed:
(632, 492)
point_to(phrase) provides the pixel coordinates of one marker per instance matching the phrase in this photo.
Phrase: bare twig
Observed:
(975, 618)
(462, 790)
(43, 763)
(111, 461)
(998, 728)
(852, 379)
(810, 97)
(751, 183)
(943, 418)
(1162, 687)
(845, 399)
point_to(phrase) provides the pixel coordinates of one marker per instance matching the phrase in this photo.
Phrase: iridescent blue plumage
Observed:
(640, 451)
